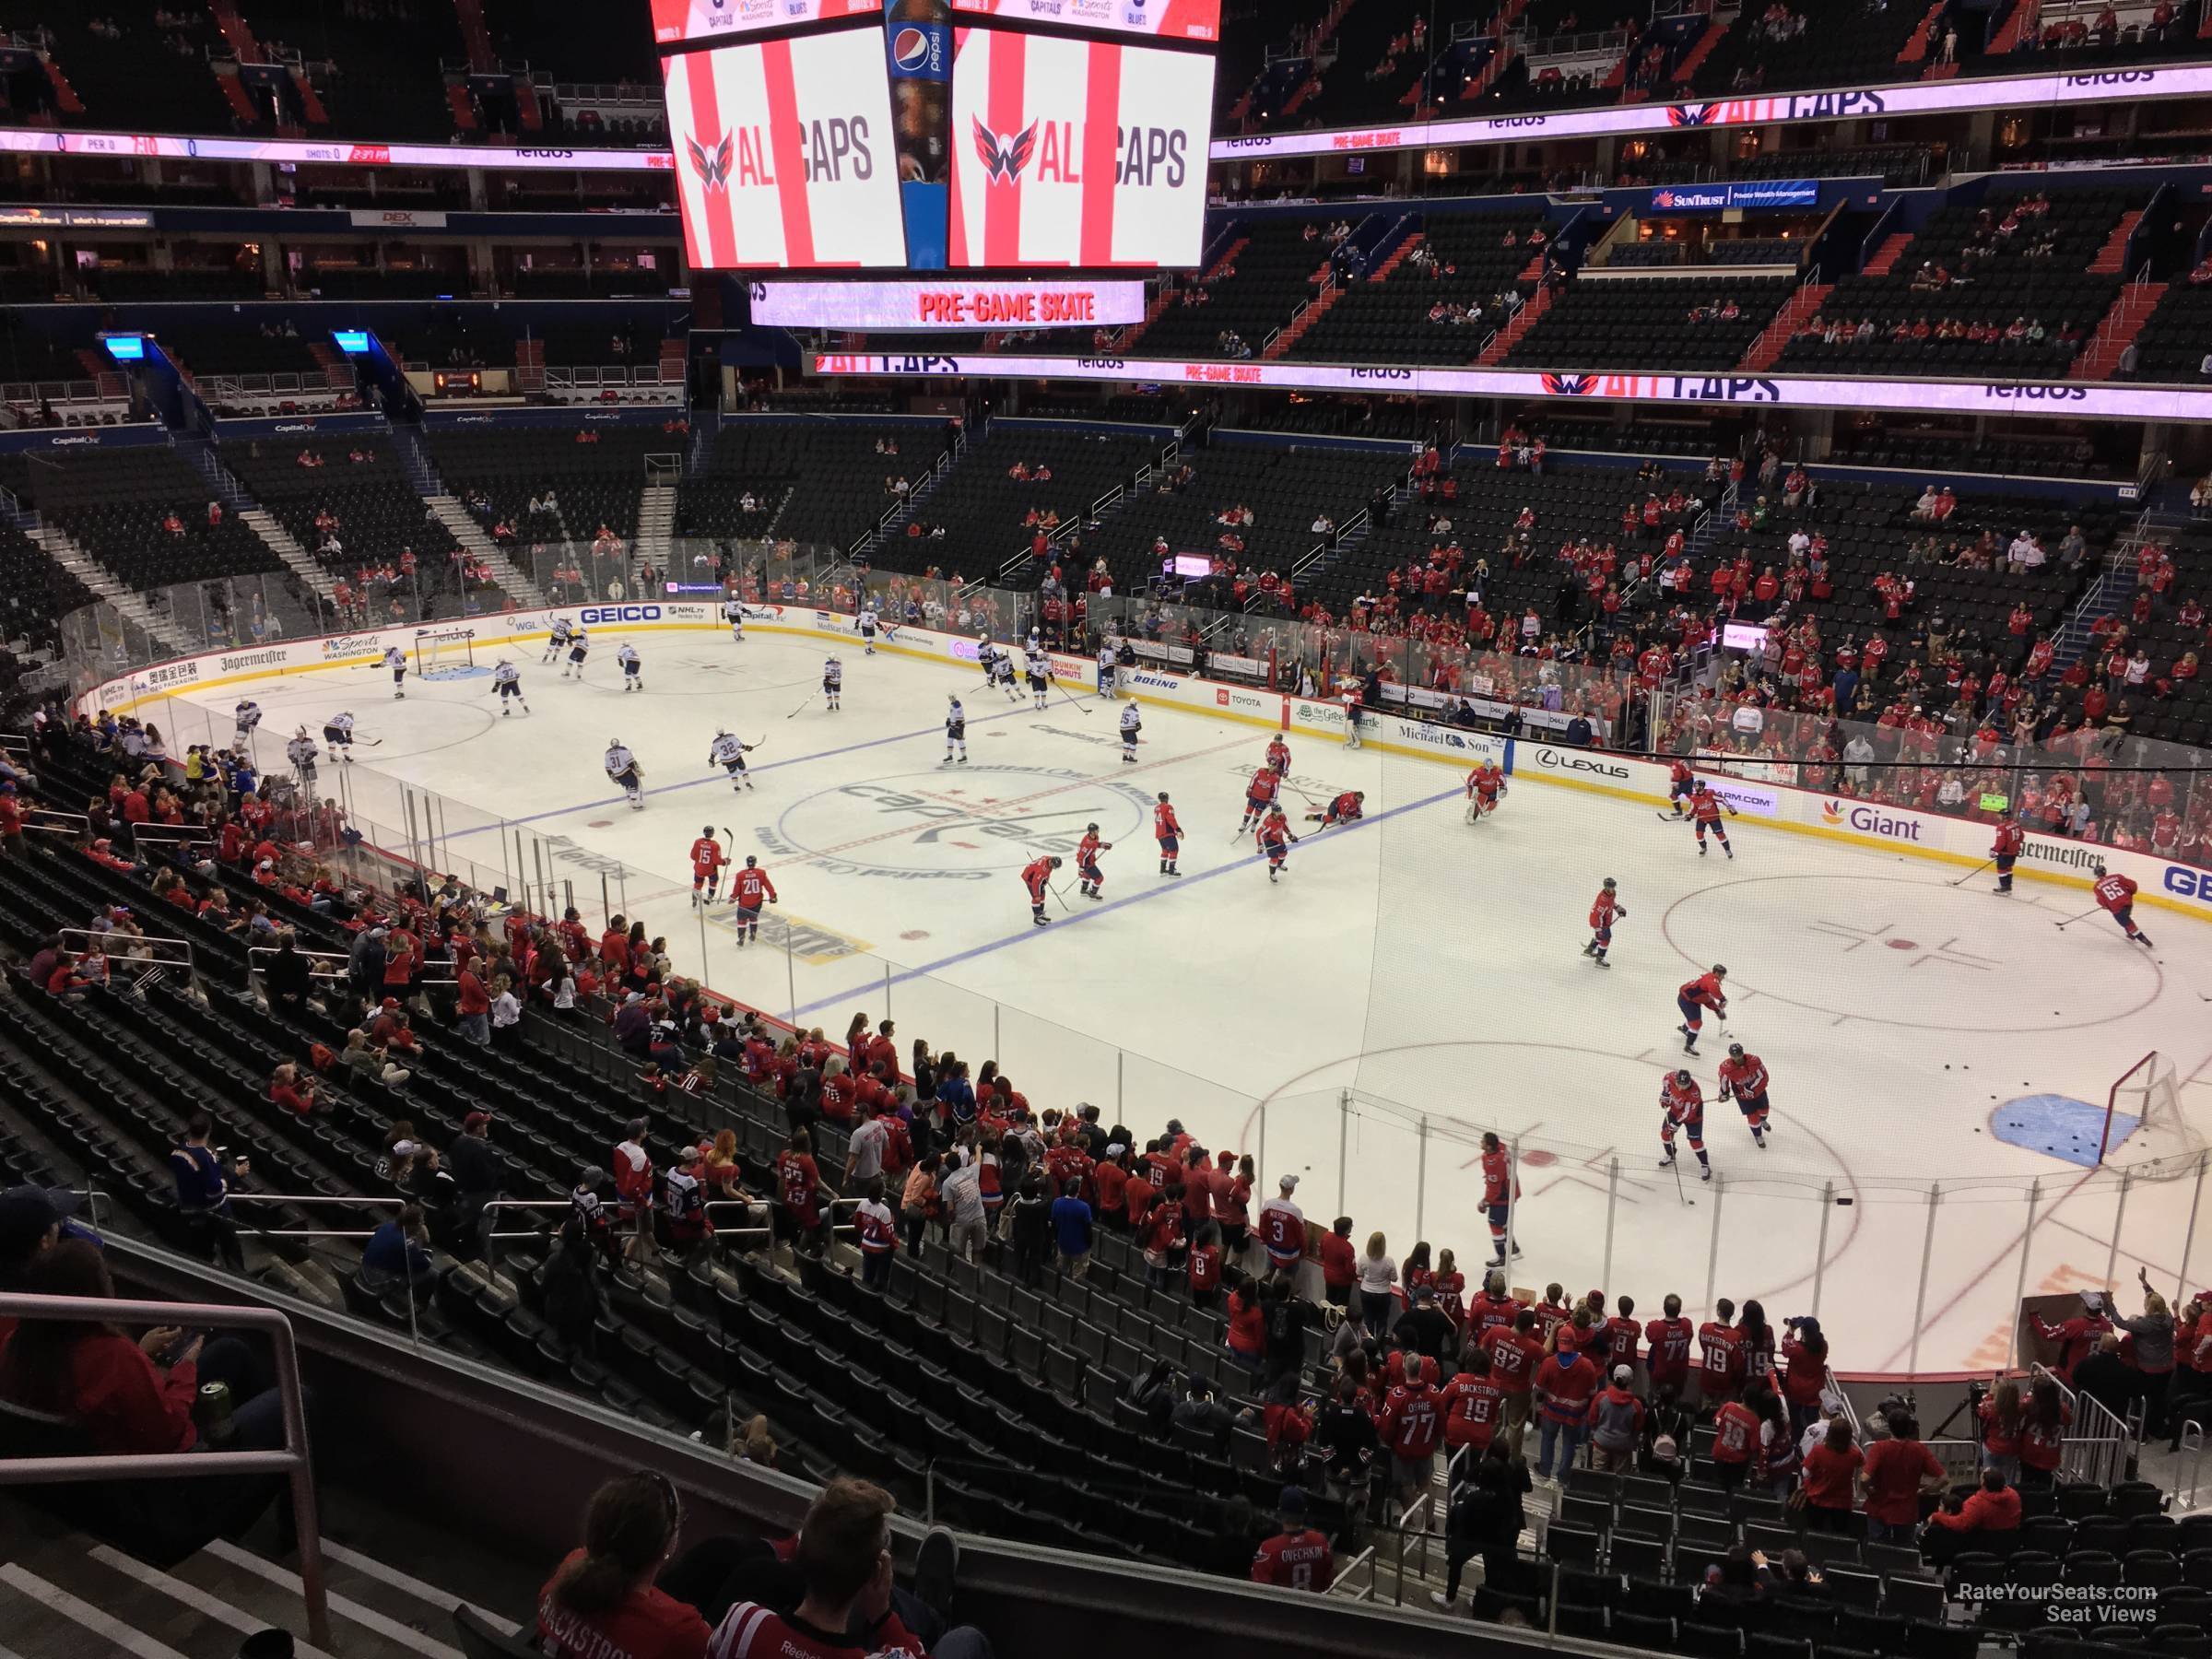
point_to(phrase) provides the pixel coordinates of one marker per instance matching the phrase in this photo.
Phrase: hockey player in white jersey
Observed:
(1002, 675)
(956, 732)
(580, 647)
(337, 735)
(1036, 643)
(248, 717)
(1106, 669)
(868, 622)
(622, 768)
(729, 754)
(396, 660)
(986, 658)
(563, 631)
(302, 752)
(1131, 725)
(833, 683)
(632, 666)
(1041, 676)
(733, 612)
(507, 680)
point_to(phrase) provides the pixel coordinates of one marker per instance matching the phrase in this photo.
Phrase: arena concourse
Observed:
(817, 832)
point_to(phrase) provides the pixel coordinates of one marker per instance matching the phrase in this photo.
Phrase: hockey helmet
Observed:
(1610, 884)
(1682, 1077)
(1735, 1051)
(751, 860)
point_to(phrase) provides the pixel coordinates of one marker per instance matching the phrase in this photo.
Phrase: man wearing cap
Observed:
(31, 1222)
(1283, 1228)
(480, 1172)
(2078, 1336)
(1615, 1423)
(1297, 1557)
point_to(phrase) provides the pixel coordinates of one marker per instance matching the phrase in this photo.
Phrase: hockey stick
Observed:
(1972, 873)
(1676, 1165)
(1083, 708)
(802, 708)
(2083, 917)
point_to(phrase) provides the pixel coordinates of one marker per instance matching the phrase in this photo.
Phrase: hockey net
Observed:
(449, 652)
(2145, 1131)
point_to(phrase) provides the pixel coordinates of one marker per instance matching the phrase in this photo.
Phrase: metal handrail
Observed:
(75, 823)
(1366, 1558)
(340, 973)
(292, 1461)
(66, 934)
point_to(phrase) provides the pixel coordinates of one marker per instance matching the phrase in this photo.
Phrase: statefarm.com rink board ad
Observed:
(1867, 824)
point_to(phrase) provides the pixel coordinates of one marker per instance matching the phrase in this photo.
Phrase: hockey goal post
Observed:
(2145, 1131)
(445, 650)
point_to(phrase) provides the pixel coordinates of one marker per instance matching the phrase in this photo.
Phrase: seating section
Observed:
(239, 350)
(380, 516)
(621, 343)
(1641, 322)
(380, 75)
(830, 475)
(1966, 273)
(586, 43)
(130, 72)
(114, 503)
(1439, 303)
(1807, 43)
(713, 500)
(34, 591)
(595, 484)
(1272, 271)
(2175, 338)
(2181, 711)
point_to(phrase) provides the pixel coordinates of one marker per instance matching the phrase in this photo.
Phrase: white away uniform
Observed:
(833, 682)
(1106, 667)
(729, 754)
(337, 733)
(302, 752)
(1041, 676)
(627, 654)
(1130, 726)
(622, 767)
(580, 647)
(507, 680)
(563, 631)
(1002, 675)
(733, 612)
(956, 732)
(248, 715)
(396, 660)
(867, 631)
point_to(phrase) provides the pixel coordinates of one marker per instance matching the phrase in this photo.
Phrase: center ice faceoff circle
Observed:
(956, 821)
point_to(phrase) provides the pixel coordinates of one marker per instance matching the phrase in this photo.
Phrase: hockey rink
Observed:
(1410, 982)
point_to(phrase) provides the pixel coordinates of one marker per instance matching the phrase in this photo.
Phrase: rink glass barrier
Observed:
(1961, 1249)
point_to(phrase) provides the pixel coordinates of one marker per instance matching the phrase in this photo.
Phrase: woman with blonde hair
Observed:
(1378, 1272)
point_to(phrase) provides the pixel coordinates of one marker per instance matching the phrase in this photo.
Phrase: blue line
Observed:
(1157, 892)
(850, 748)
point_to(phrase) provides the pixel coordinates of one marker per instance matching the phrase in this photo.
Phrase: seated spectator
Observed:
(399, 1249)
(601, 1599)
(1994, 1507)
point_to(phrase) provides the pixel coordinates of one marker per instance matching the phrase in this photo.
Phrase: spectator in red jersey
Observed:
(290, 1092)
(1298, 1557)
(1339, 1263)
(1830, 1469)
(1804, 1360)
(2042, 1429)
(1410, 1428)
(1892, 1475)
(1516, 1353)
(1720, 1355)
(1994, 1507)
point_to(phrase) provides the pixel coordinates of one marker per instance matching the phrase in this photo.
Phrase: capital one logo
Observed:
(619, 613)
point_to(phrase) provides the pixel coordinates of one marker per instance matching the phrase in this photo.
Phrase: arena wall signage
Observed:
(1958, 841)
(893, 305)
(1986, 397)
(1920, 98)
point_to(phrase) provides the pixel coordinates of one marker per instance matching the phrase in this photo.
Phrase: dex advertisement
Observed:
(1076, 152)
(784, 154)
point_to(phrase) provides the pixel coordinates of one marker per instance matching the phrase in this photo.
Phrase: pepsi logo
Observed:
(909, 48)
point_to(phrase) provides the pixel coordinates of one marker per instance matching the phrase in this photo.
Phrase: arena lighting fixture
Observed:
(124, 348)
(353, 342)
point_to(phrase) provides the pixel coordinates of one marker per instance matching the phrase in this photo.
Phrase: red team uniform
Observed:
(1087, 863)
(707, 861)
(1605, 909)
(1274, 840)
(1683, 1103)
(1259, 795)
(2116, 897)
(1743, 1080)
(1344, 810)
(749, 889)
(1694, 999)
(1168, 832)
(1681, 779)
(1499, 1191)
(2010, 842)
(1278, 757)
(1485, 783)
(1038, 878)
(1705, 808)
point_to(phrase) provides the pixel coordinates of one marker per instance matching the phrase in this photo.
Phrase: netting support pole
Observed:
(1121, 1064)
(2020, 1283)
(2196, 1198)
(1513, 1202)
(2111, 1256)
(607, 906)
(1420, 1192)
(1712, 1251)
(887, 991)
(1927, 1256)
(1259, 1162)
(1828, 1203)
(1612, 1208)
(1344, 1141)
(790, 975)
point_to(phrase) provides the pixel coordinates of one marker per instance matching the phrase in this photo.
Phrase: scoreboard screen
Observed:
(675, 21)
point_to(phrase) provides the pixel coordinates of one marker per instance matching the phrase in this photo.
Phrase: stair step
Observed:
(228, 1563)
(48, 1620)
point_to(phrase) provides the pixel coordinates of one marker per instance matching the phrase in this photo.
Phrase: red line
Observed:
(1002, 199)
(963, 152)
(1101, 148)
(786, 139)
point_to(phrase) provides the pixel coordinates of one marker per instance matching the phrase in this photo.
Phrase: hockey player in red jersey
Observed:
(1743, 1080)
(1605, 909)
(2116, 896)
(1278, 757)
(1344, 810)
(1705, 812)
(1087, 862)
(1485, 784)
(1168, 831)
(1259, 795)
(1038, 878)
(1276, 839)
(1500, 1191)
(1681, 779)
(1683, 1105)
(749, 889)
(708, 857)
(1694, 999)
(2010, 842)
